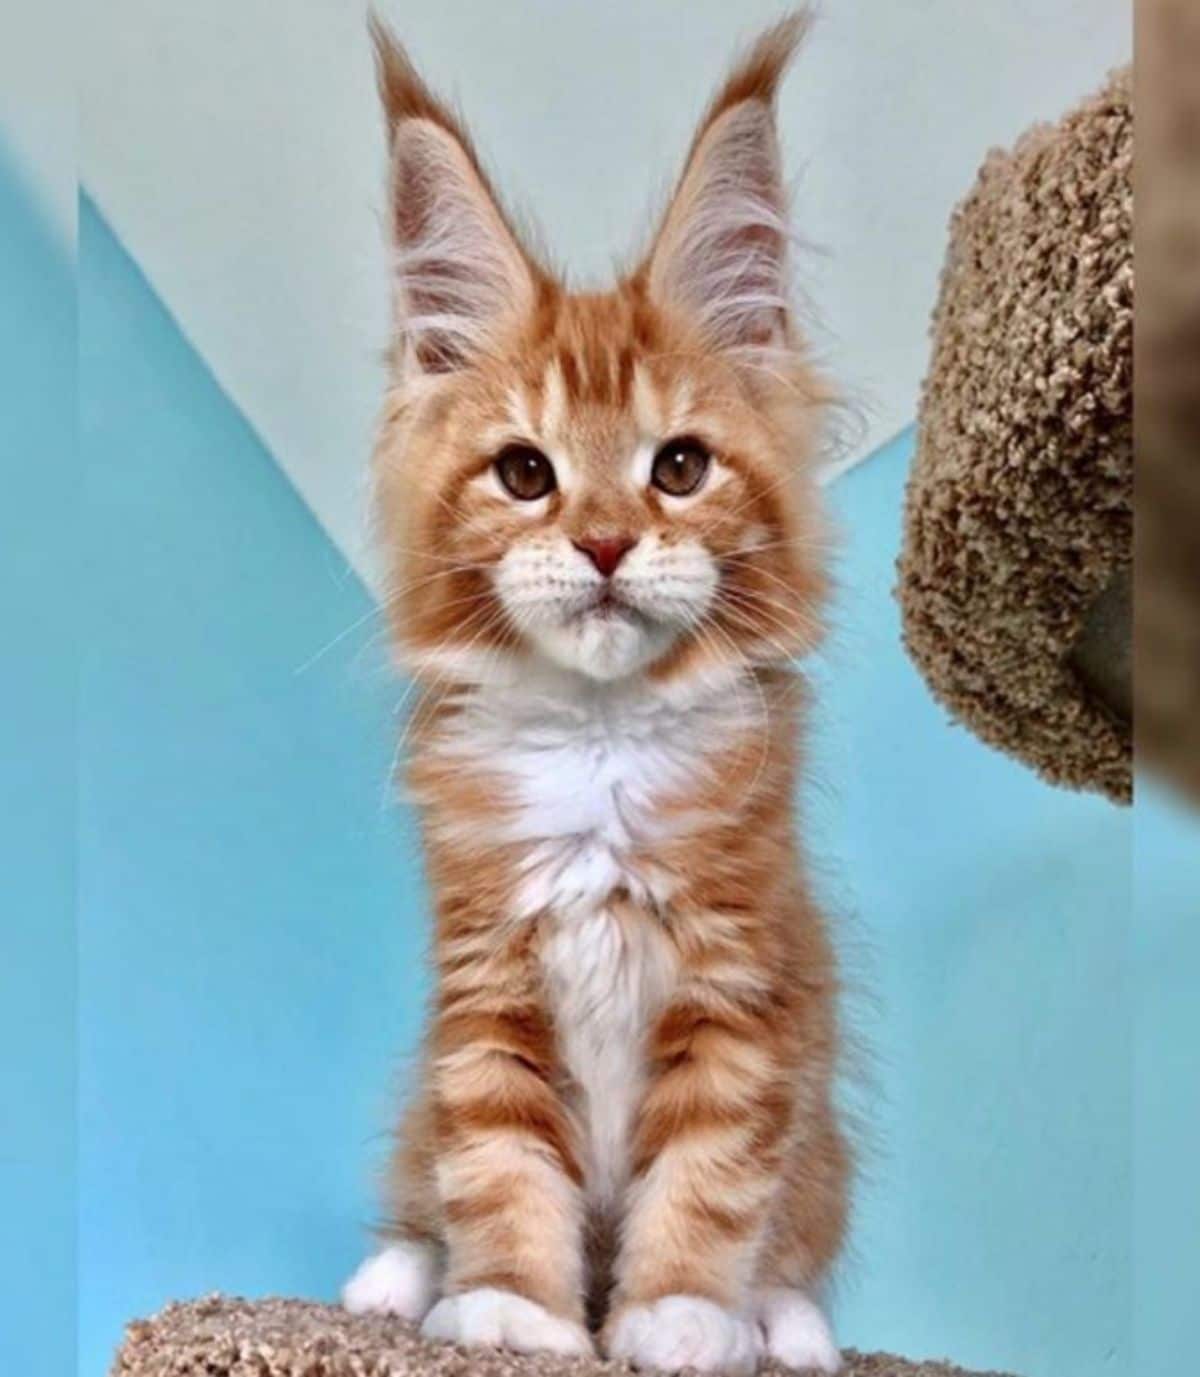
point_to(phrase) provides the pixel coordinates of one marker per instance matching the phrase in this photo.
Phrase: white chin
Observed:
(602, 646)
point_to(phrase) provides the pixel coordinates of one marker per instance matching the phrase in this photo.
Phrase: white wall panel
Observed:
(235, 148)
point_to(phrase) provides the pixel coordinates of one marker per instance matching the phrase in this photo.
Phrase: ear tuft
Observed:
(720, 255)
(757, 74)
(461, 273)
(403, 92)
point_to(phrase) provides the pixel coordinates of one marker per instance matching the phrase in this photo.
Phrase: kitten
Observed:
(603, 534)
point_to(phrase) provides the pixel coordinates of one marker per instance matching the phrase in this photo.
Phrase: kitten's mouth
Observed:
(608, 605)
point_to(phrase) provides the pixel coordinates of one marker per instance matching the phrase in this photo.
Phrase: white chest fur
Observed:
(606, 980)
(588, 771)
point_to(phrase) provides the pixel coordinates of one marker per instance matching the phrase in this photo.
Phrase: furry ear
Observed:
(721, 252)
(461, 273)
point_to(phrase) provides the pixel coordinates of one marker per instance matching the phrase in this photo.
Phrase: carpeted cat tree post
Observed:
(1015, 584)
(286, 1338)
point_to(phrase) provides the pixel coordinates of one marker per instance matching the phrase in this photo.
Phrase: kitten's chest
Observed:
(588, 814)
(608, 974)
(590, 803)
(589, 798)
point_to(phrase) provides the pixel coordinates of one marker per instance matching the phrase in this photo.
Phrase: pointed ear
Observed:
(720, 255)
(461, 273)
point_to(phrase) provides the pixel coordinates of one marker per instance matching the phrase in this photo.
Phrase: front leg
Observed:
(508, 1182)
(707, 1160)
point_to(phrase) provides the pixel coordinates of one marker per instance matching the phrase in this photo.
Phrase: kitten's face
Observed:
(616, 483)
(608, 498)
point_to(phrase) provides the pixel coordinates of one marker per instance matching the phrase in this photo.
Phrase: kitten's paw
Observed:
(685, 1331)
(797, 1333)
(402, 1279)
(487, 1318)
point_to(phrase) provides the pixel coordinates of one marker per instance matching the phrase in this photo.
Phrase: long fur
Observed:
(625, 1129)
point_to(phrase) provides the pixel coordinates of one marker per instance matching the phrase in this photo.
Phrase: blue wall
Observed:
(1166, 958)
(38, 591)
(252, 919)
(989, 915)
(250, 916)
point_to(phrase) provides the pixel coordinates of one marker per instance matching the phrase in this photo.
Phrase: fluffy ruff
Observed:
(288, 1338)
(1019, 516)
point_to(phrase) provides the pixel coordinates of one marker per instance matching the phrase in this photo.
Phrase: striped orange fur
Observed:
(606, 552)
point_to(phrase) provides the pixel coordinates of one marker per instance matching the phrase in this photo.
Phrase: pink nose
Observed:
(606, 552)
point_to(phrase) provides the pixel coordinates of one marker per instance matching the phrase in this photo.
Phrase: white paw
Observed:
(797, 1333)
(487, 1318)
(400, 1280)
(685, 1331)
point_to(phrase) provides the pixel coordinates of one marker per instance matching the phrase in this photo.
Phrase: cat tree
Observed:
(1015, 576)
(286, 1338)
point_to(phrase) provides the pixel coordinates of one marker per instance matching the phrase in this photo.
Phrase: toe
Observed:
(490, 1318)
(680, 1332)
(796, 1331)
(400, 1280)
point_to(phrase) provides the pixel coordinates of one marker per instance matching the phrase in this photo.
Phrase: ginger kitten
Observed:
(606, 553)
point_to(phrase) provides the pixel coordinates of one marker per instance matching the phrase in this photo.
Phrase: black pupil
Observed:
(525, 472)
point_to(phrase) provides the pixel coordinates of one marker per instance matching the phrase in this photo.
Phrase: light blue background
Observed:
(1166, 960)
(252, 920)
(993, 914)
(38, 586)
(249, 944)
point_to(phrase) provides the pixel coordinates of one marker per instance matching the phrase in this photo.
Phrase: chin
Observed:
(604, 646)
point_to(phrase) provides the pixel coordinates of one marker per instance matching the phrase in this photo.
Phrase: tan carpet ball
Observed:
(1015, 570)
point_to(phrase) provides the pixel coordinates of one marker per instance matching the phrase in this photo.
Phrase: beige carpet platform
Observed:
(222, 1337)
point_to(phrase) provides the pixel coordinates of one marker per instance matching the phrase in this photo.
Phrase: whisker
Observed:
(424, 553)
(468, 523)
(439, 679)
(753, 601)
(739, 618)
(376, 610)
(711, 628)
(392, 597)
(783, 542)
(759, 571)
(444, 678)
(788, 477)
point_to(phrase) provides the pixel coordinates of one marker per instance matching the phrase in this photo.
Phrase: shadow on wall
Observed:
(253, 921)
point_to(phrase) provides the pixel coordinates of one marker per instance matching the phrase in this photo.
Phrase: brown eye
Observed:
(525, 472)
(680, 466)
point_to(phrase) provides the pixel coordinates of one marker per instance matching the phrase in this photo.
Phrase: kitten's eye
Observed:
(680, 467)
(525, 472)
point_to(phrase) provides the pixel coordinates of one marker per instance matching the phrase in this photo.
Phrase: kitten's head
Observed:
(618, 483)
